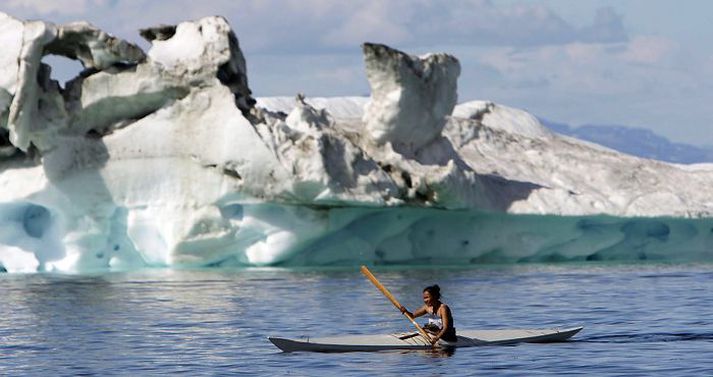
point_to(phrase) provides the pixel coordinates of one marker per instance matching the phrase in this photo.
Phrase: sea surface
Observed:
(640, 319)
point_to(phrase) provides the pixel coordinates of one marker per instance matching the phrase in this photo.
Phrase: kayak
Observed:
(413, 340)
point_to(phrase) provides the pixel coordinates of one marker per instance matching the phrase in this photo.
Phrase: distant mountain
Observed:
(635, 141)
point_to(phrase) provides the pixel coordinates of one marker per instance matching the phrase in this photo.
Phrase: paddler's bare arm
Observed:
(421, 311)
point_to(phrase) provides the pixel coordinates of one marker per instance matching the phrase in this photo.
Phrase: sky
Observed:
(638, 63)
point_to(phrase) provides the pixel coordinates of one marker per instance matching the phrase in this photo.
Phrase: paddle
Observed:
(393, 300)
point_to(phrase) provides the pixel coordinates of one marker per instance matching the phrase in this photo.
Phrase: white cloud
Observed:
(318, 25)
(368, 23)
(47, 7)
(648, 50)
(608, 26)
(629, 68)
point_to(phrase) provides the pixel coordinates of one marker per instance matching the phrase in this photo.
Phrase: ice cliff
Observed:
(164, 158)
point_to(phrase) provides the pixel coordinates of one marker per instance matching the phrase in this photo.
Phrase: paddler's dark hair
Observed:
(434, 290)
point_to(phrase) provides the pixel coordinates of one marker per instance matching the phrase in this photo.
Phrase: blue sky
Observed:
(641, 63)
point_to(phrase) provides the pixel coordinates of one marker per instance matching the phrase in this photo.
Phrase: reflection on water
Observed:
(441, 352)
(638, 319)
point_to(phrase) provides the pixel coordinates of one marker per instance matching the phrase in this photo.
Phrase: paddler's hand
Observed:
(404, 311)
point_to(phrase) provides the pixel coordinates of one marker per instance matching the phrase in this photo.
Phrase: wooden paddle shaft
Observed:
(393, 300)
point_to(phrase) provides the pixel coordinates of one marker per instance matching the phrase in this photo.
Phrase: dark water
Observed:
(639, 320)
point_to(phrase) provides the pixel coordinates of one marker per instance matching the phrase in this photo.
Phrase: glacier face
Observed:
(164, 158)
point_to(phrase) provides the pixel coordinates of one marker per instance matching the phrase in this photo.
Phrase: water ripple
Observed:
(639, 320)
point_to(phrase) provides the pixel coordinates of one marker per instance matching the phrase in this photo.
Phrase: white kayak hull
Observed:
(466, 338)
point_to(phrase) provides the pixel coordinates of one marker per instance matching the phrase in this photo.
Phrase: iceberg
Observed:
(164, 158)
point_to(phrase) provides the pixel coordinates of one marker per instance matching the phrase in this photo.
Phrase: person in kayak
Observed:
(440, 322)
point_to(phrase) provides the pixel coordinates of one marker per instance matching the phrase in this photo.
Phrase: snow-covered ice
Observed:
(164, 158)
